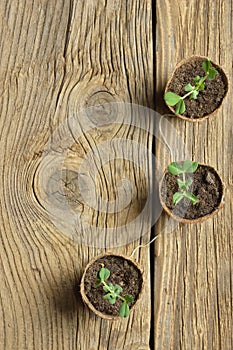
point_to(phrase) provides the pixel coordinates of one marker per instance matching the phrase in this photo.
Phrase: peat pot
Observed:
(124, 272)
(209, 100)
(207, 187)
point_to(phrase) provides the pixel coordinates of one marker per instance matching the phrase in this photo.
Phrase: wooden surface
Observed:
(193, 274)
(57, 58)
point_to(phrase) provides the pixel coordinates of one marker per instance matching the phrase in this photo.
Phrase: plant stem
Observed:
(120, 297)
(183, 174)
(196, 88)
(109, 289)
(186, 95)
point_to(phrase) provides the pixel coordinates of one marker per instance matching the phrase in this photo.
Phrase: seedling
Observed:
(177, 101)
(113, 292)
(184, 183)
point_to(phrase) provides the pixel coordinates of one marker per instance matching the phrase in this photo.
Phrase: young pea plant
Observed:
(113, 292)
(184, 183)
(177, 101)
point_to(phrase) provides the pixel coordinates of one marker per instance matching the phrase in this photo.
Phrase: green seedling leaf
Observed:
(98, 282)
(189, 166)
(110, 297)
(201, 81)
(182, 107)
(206, 65)
(197, 79)
(112, 301)
(210, 71)
(201, 86)
(194, 94)
(191, 197)
(124, 310)
(177, 110)
(171, 98)
(175, 168)
(212, 74)
(188, 182)
(129, 298)
(117, 289)
(188, 88)
(177, 197)
(104, 274)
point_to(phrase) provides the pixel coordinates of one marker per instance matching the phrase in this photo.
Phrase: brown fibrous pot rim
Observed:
(82, 288)
(181, 63)
(202, 218)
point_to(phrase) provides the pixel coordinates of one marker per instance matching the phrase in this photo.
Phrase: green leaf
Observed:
(110, 297)
(107, 296)
(112, 301)
(129, 298)
(177, 110)
(194, 94)
(171, 98)
(117, 289)
(188, 88)
(189, 166)
(191, 197)
(212, 74)
(177, 197)
(188, 182)
(206, 65)
(175, 168)
(124, 310)
(201, 86)
(197, 79)
(200, 82)
(98, 282)
(104, 274)
(182, 107)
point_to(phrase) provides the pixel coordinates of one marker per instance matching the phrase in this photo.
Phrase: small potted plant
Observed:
(196, 89)
(111, 285)
(191, 192)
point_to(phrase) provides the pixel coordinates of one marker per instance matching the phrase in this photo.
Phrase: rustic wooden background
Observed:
(58, 57)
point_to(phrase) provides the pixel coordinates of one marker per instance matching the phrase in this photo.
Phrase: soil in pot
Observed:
(123, 273)
(206, 186)
(208, 99)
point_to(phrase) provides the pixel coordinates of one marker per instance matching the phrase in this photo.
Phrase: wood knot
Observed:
(100, 108)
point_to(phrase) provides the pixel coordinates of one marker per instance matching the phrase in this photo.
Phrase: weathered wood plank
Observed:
(58, 57)
(193, 273)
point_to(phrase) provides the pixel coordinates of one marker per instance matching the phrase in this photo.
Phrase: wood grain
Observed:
(58, 57)
(193, 273)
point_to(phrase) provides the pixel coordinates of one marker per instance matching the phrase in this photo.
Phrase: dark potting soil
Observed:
(208, 99)
(123, 273)
(206, 186)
